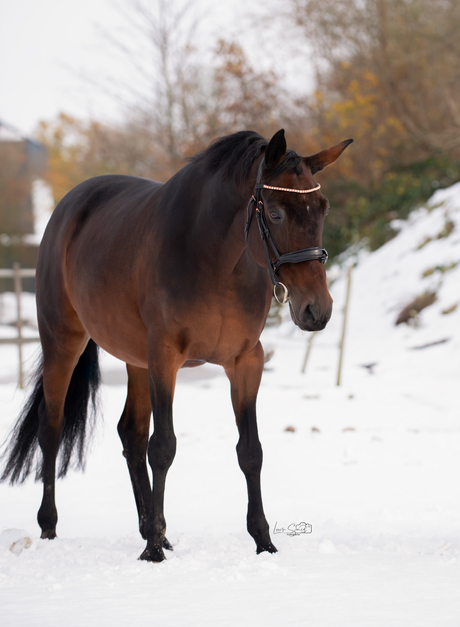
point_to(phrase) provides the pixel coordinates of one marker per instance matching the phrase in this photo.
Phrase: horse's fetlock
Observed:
(155, 528)
(47, 519)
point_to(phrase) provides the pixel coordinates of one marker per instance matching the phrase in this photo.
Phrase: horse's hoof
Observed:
(268, 548)
(154, 554)
(167, 545)
(48, 534)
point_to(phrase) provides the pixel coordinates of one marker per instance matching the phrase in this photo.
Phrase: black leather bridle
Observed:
(306, 254)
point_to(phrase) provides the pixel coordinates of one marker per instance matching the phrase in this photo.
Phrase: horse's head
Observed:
(290, 210)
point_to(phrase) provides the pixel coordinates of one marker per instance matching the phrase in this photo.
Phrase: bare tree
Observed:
(176, 98)
(178, 95)
(411, 46)
(157, 48)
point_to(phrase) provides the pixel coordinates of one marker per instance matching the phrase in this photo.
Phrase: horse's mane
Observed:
(236, 153)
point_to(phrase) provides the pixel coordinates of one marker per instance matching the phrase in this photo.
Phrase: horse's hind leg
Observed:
(245, 375)
(133, 430)
(59, 361)
(162, 445)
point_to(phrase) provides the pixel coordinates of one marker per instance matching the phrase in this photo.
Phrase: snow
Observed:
(372, 465)
(43, 205)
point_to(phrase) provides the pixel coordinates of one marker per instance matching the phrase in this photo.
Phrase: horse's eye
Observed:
(274, 215)
(327, 210)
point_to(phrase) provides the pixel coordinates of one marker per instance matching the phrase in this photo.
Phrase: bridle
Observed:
(306, 254)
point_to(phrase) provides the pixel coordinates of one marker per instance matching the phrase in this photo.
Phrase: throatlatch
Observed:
(306, 254)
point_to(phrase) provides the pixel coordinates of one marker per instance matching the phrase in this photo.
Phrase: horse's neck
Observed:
(202, 218)
(222, 223)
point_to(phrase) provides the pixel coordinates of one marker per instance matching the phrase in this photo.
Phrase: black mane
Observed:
(236, 153)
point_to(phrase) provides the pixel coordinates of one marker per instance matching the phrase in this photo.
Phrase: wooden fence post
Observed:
(307, 353)
(344, 325)
(18, 290)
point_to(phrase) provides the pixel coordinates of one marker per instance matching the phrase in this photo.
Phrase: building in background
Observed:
(22, 162)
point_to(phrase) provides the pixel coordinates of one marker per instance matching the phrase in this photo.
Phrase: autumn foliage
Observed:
(387, 75)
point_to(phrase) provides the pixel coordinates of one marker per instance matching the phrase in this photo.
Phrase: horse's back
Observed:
(95, 194)
(85, 242)
(98, 198)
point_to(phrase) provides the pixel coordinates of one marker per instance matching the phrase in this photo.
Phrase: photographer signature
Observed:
(294, 529)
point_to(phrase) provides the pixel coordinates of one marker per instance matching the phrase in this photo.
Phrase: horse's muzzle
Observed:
(312, 317)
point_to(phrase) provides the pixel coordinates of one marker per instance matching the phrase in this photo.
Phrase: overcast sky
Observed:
(45, 43)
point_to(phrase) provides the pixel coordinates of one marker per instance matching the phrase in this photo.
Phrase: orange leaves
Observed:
(79, 150)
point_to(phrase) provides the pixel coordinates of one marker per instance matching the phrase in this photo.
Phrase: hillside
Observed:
(421, 263)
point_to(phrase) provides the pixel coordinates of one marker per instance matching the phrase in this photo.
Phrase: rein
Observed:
(306, 254)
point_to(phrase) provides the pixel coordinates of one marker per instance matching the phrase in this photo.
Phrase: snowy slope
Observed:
(417, 261)
(373, 465)
(393, 275)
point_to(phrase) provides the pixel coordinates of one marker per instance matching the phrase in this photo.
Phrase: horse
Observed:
(165, 276)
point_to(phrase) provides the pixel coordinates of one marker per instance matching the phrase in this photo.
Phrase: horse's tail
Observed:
(21, 448)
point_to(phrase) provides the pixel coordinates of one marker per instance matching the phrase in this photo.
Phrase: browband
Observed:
(290, 189)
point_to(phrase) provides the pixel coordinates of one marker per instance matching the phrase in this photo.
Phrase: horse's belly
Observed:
(202, 331)
(220, 341)
(193, 363)
(120, 332)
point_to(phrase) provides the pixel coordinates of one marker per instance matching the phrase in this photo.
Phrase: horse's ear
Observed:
(326, 157)
(276, 149)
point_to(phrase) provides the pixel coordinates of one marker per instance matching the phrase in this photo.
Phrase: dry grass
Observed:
(450, 309)
(424, 242)
(448, 228)
(441, 269)
(411, 310)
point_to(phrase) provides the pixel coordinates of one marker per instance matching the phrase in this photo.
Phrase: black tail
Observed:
(21, 450)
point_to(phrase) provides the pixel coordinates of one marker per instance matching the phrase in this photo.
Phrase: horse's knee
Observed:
(249, 457)
(161, 451)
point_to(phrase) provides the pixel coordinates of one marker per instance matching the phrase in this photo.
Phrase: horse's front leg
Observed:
(161, 449)
(245, 374)
(133, 429)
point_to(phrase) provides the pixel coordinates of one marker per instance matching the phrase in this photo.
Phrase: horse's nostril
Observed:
(313, 317)
(308, 313)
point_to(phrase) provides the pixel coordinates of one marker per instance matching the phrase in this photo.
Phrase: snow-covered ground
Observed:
(372, 465)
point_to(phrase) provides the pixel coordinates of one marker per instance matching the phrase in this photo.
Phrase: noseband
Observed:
(306, 254)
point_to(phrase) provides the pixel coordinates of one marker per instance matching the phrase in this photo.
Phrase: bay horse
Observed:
(164, 276)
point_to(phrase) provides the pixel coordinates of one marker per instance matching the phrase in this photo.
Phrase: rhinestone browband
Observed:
(290, 189)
